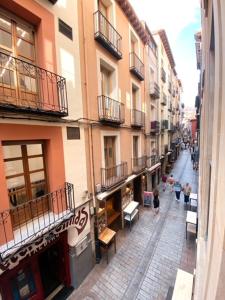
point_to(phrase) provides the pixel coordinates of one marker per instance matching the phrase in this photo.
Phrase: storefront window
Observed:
(23, 285)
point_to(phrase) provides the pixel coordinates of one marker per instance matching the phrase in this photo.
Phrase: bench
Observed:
(183, 286)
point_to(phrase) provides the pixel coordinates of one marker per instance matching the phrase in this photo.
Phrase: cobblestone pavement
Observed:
(147, 258)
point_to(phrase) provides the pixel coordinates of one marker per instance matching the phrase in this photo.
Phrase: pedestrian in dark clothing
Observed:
(156, 201)
(187, 191)
(177, 189)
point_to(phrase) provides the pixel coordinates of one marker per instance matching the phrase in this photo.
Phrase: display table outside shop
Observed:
(106, 237)
(183, 286)
(131, 211)
(193, 201)
(191, 219)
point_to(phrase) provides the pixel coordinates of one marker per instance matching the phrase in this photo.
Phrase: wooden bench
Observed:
(183, 286)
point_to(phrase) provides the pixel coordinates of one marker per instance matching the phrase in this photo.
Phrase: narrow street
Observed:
(147, 258)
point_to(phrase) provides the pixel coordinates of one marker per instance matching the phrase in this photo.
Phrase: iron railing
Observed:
(137, 118)
(154, 90)
(107, 35)
(25, 87)
(111, 176)
(138, 164)
(171, 127)
(170, 107)
(34, 218)
(164, 100)
(155, 127)
(169, 87)
(136, 66)
(110, 110)
(164, 124)
(163, 75)
(152, 160)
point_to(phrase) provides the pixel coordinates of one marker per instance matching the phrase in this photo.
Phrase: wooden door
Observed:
(104, 19)
(26, 180)
(106, 92)
(110, 156)
(135, 146)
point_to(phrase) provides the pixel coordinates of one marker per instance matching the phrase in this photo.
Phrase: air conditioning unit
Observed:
(98, 188)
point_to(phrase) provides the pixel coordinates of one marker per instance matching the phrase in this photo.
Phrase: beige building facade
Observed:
(210, 271)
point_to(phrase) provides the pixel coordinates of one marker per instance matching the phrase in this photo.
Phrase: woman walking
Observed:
(187, 191)
(177, 189)
(156, 201)
(171, 182)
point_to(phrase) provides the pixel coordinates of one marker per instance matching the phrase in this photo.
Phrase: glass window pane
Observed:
(7, 77)
(25, 49)
(34, 149)
(24, 33)
(36, 163)
(36, 177)
(12, 151)
(5, 39)
(16, 182)
(13, 167)
(5, 23)
(28, 83)
(17, 196)
(38, 189)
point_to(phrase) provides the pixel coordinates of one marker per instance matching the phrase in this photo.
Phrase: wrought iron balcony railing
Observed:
(154, 91)
(112, 176)
(171, 127)
(138, 164)
(136, 66)
(163, 75)
(34, 218)
(164, 124)
(107, 35)
(110, 110)
(164, 100)
(170, 107)
(169, 87)
(25, 87)
(152, 160)
(155, 127)
(137, 118)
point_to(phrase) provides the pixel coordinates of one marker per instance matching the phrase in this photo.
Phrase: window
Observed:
(135, 146)
(65, 29)
(110, 151)
(26, 179)
(73, 133)
(106, 82)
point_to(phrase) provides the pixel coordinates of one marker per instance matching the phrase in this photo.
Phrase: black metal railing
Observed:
(154, 90)
(164, 100)
(137, 118)
(110, 110)
(111, 176)
(164, 124)
(136, 66)
(170, 107)
(28, 88)
(107, 35)
(28, 221)
(152, 160)
(169, 87)
(163, 75)
(138, 164)
(155, 127)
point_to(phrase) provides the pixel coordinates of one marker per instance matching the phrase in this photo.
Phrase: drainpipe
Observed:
(90, 141)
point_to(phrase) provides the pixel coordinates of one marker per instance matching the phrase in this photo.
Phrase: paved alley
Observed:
(147, 258)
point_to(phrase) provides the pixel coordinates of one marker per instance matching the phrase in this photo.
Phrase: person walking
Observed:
(187, 191)
(177, 189)
(156, 201)
(171, 182)
(164, 180)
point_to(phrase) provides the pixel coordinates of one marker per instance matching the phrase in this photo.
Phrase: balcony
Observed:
(138, 164)
(163, 75)
(137, 118)
(27, 88)
(110, 110)
(164, 124)
(112, 176)
(152, 160)
(170, 87)
(170, 107)
(154, 91)
(136, 66)
(34, 219)
(171, 128)
(107, 35)
(164, 100)
(155, 127)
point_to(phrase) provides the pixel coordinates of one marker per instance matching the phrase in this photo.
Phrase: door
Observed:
(110, 157)
(106, 89)
(135, 151)
(135, 106)
(18, 83)
(104, 20)
(26, 180)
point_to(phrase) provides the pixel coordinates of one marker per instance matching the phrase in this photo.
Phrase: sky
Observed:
(181, 20)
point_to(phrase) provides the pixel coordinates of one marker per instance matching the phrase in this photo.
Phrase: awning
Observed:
(102, 196)
(154, 167)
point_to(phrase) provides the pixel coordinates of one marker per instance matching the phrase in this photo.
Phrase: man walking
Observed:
(177, 189)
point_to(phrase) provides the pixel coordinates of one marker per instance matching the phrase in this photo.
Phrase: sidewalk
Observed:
(147, 258)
